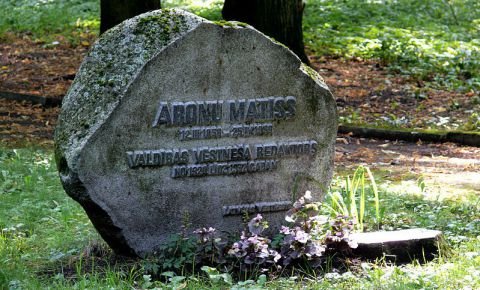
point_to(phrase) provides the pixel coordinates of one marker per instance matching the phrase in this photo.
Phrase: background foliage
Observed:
(434, 41)
(47, 19)
(429, 40)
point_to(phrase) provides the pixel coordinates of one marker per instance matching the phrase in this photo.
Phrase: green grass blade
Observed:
(338, 203)
(376, 197)
(362, 202)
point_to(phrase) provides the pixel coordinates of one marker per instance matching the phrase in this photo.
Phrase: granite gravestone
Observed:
(172, 116)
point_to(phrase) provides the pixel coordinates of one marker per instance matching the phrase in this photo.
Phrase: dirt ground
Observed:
(37, 68)
(363, 90)
(449, 170)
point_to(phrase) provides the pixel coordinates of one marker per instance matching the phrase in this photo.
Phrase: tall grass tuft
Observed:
(351, 199)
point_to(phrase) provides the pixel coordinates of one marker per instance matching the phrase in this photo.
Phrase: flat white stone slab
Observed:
(395, 236)
(398, 246)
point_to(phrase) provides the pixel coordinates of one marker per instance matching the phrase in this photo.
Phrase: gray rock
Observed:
(174, 118)
(402, 246)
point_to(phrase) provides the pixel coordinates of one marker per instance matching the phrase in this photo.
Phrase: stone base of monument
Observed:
(402, 246)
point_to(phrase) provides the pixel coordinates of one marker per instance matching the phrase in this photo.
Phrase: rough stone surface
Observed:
(165, 87)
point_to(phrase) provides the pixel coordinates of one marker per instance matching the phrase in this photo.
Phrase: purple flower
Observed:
(301, 236)
(204, 234)
(285, 230)
(257, 225)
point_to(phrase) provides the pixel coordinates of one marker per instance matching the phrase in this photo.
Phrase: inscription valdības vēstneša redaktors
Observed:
(223, 160)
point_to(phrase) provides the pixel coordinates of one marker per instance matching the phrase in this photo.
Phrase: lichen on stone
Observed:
(160, 27)
(313, 74)
(112, 63)
(241, 24)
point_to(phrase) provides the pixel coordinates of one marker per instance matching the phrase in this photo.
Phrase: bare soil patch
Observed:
(37, 68)
(368, 93)
(446, 167)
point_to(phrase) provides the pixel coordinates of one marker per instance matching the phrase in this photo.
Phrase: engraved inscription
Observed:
(142, 158)
(201, 113)
(225, 168)
(284, 149)
(197, 133)
(241, 209)
(217, 132)
(239, 152)
(222, 154)
(242, 131)
(203, 120)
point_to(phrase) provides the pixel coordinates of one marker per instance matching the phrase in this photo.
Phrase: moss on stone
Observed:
(313, 74)
(277, 42)
(224, 23)
(108, 69)
(310, 71)
(233, 24)
(165, 24)
(241, 24)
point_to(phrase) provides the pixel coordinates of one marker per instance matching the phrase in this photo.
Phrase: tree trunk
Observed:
(112, 12)
(280, 19)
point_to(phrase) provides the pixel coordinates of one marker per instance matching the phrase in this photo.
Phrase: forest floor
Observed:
(366, 93)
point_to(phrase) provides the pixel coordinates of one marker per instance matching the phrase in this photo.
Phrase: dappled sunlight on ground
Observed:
(436, 188)
(435, 171)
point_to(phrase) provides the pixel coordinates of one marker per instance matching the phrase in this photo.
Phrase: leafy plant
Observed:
(177, 253)
(211, 250)
(253, 250)
(338, 238)
(216, 276)
(473, 123)
(351, 200)
(302, 240)
(421, 184)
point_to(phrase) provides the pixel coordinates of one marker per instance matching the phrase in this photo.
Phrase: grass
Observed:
(50, 20)
(46, 240)
(39, 226)
(430, 40)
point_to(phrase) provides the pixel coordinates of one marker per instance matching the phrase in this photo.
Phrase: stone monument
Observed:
(172, 116)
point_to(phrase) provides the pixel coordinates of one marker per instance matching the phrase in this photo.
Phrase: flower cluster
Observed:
(253, 249)
(210, 249)
(205, 234)
(303, 239)
(338, 237)
(298, 246)
(305, 214)
(307, 239)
